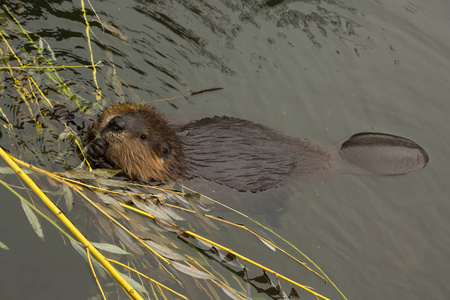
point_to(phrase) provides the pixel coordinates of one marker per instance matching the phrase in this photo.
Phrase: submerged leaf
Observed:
(167, 253)
(117, 85)
(110, 200)
(199, 213)
(106, 173)
(191, 271)
(169, 211)
(169, 227)
(2, 84)
(52, 54)
(101, 270)
(128, 241)
(114, 31)
(280, 290)
(233, 294)
(110, 248)
(151, 208)
(204, 245)
(232, 260)
(34, 221)
(9, 171)
(77, 175)
(136, 285)
(68, 197)
(3, 246)
(175, 196)
(112, 182)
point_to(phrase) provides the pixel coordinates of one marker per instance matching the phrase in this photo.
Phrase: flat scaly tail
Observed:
(369, 153)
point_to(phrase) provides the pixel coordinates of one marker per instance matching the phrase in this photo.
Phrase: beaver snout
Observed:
(116, 124)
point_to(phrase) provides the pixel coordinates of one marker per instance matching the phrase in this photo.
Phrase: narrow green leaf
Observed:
(110, 200)
(128, 241)
(99, 268)
(191, 271)
(280, 290)
(35, 224)
(169, 227)
(3, 246)
(137, 286)
(77, 175)
(233, 294)
(167, 253)
(151, 208)
(201, 214)
(271, 247)
(68, 197)
(9, 171)
(169, 211)
(112, 182)
(110, 248)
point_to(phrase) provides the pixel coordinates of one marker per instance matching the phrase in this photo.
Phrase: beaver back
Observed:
(248, 156)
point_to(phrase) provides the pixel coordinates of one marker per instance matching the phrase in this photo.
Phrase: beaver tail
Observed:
(370, 153)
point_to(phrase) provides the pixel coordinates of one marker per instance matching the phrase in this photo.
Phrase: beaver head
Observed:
(140, 142)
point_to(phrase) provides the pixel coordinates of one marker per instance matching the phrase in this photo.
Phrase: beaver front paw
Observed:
(97, 151)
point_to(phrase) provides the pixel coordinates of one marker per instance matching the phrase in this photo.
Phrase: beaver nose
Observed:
(117, 123)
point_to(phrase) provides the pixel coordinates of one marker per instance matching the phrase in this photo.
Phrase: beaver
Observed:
(237, 153)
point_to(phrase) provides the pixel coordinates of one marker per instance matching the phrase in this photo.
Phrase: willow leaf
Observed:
(108, 199)
(137, 286)
(68, 197)
(101, 270)
(34, 221)
(233, 294)
(3, 246)
(167, 253)
(280, 290)
(152, 209)
(270, 246)
(128, 241)
(110, 248)
(9, 171)
(191, 271)
(169, 227)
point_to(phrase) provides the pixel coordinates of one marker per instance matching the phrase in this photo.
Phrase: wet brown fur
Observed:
(238, 153)
(141, 159)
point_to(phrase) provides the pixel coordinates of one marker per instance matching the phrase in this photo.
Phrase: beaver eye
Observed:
(143, 136)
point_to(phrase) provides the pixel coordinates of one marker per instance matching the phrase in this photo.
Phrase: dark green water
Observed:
(318, 69)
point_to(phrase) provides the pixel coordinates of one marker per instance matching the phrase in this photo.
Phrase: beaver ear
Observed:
(166, 150)
(163, 150)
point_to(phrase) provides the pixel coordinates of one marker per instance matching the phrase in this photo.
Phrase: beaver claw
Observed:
(96, 151)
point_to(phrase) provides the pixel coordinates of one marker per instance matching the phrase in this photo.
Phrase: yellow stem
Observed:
(58, 213)
(255, 263)
(193, 234)
(148, 278)
(94, 69)
(49, 67)
(88, 253)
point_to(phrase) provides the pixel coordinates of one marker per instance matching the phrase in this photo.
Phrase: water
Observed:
(318, 69)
